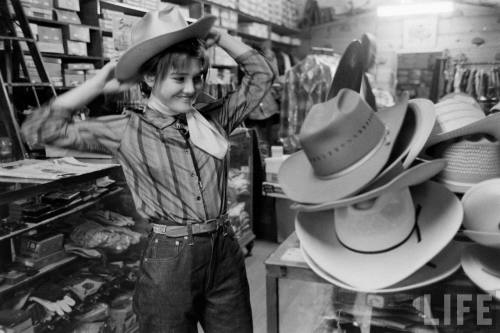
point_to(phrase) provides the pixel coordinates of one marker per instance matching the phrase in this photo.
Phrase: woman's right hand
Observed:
(108, 82)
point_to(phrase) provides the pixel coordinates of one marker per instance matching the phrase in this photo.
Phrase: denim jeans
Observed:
(180, 285)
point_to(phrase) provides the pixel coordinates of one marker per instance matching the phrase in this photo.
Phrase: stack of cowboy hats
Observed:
(481, 223)
(365, 203)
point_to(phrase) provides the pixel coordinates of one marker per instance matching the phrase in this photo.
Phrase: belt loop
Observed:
(190, 233)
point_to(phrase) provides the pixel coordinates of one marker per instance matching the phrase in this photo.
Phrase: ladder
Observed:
(13, 64)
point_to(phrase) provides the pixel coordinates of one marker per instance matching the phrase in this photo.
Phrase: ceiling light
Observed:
(415, 8)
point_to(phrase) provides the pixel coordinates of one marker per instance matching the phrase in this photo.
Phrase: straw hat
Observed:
(345, 145)
(470, 160)
(153, 33)
(458, 116)
(371, 246)
(482, 266)
(438, 268)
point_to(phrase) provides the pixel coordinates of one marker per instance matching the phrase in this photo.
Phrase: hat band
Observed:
(415, 228)
(384, 141)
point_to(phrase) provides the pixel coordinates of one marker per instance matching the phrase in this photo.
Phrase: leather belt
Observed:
(196, 228)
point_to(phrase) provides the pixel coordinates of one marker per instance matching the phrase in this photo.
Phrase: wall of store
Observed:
(452, 32)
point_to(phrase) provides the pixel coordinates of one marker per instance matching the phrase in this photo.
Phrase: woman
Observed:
(175, 163)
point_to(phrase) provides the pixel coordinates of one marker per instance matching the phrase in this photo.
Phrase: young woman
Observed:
(174, 158)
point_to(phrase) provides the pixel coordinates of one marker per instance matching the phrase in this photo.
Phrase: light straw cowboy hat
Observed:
(457, 116)
(482, 266)
(377, 246)
(438, 268)
(155, 32)
(470, 160)
(481, 213)
(345, 145)
(399, 179)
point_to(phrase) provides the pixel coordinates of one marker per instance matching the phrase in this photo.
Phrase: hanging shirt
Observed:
(155, 157)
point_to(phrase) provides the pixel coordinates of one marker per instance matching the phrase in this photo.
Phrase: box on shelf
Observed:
(272, 166)
(38, 12)
(41, 245)
(254, 29)
(68, 4)
(74, 78)
(49, 39)
(45, 4)
(76, 48)
(66, 16)
(77, 33)
(106, 24)
(42, 261)
(83, 66)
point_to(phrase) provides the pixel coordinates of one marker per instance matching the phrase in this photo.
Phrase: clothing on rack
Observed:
(307, 83)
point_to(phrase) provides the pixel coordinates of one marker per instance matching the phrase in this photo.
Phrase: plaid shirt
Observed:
(157, 161)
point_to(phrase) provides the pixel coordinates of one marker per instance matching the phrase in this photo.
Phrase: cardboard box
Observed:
(66, 16)
(42, 261)
(74, 78)
(41, 245)
(77, 33)
(67, 4)
(45, 4)
(76, 48)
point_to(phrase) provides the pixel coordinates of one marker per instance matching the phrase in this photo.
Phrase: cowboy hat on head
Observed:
(368, 246)
(155, 32)
(345, 145)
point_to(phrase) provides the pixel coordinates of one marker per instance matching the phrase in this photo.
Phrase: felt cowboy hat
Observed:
(345, 145)
(470, 160)
(482, 266)
(438, 268)
(399, 179)
(368, 245)
(457, 117)
(481, 212)
(417, 126)
(155, 32)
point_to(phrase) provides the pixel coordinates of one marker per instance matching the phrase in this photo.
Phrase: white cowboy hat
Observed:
(371, 250)
(457, 116)
(482, 266)
(153, 33)
(481, 212)
(397, 180)
(345, 145)
(438, 268)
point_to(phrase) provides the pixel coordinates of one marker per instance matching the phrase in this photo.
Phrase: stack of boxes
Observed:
(254, 29)
(284, 12)
(226, 18)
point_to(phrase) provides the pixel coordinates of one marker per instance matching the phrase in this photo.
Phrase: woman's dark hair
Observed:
(175, 57)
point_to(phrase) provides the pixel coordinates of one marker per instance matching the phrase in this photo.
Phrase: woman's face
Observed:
(180, 87)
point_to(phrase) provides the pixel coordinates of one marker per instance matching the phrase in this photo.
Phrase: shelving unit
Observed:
(58, 217)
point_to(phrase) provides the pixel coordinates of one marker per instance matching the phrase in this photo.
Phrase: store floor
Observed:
(302, 304)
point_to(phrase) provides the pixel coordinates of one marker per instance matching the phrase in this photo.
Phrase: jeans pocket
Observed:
(163, 248)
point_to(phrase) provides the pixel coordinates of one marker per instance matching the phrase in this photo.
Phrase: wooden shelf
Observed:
(42, 271)
(60, 216)
(35, 19)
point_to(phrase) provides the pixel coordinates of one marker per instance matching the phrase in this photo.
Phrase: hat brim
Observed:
(478, 263)
(490, 239)
(488, 125)
(440, 267)
(299, 182)
(413, 176)
(439, 220)
(132, 59)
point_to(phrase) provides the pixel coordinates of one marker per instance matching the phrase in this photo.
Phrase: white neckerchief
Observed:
(202, 134)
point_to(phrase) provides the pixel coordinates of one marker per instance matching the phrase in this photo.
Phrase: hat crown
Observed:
(454, 113)
(340, 132)
(376, 225)
(157, 23)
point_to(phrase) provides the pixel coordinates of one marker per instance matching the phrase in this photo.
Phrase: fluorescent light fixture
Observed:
(415, 8)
